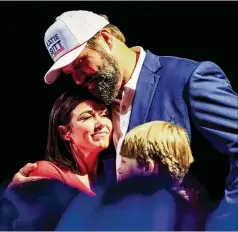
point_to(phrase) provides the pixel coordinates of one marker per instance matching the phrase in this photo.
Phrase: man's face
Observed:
(98, 71)
(128, 168)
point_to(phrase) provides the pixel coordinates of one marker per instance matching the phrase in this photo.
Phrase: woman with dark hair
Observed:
(79, 130)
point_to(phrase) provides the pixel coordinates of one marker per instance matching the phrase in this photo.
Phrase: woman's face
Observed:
(90, 129)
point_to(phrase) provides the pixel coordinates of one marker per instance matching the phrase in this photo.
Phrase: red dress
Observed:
(50, 170)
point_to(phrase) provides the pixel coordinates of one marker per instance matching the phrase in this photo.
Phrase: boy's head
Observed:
(156, 148)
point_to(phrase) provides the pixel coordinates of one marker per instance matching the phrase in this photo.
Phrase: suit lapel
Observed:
(145, 89)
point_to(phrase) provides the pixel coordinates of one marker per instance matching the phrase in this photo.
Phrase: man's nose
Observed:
(78, 77)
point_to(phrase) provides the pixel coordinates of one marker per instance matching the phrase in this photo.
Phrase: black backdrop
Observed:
(195, 30)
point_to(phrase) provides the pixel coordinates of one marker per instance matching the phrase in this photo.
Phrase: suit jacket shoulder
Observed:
(39, 204)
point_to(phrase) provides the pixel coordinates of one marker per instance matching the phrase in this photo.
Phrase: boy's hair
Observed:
(165, 143)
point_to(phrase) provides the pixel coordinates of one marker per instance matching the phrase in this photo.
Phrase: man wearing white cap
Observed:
(143, 87)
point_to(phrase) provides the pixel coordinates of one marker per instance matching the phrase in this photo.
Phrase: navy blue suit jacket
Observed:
(199, 97)
(136, 204)
(35, 205)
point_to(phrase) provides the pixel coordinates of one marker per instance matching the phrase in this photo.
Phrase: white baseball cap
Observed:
(67, 37)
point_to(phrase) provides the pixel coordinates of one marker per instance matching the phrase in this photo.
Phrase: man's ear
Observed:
(149, 167)
(64, 133)
(107, 36)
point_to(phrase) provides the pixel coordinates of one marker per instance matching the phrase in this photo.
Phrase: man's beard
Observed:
(105, 82)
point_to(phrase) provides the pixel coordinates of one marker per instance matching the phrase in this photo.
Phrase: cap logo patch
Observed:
(54, 46)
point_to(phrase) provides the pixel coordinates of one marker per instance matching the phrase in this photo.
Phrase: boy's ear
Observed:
(149, 167)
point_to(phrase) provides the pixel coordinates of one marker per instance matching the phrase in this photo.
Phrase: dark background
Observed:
(195, 30)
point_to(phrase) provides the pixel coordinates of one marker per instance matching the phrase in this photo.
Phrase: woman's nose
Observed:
(99, 121)
(98, 126)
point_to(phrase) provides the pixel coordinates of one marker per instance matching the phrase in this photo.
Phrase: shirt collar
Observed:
(131, 84)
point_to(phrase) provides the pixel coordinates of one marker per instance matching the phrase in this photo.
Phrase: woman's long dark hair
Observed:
(58, 150)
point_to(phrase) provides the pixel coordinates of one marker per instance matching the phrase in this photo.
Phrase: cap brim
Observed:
(54, 72)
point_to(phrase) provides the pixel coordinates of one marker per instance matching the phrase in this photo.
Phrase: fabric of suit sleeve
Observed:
(40, 204)
(8, 213)
(214, 111)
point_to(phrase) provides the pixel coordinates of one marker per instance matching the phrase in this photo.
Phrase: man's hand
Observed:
(22, 176)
